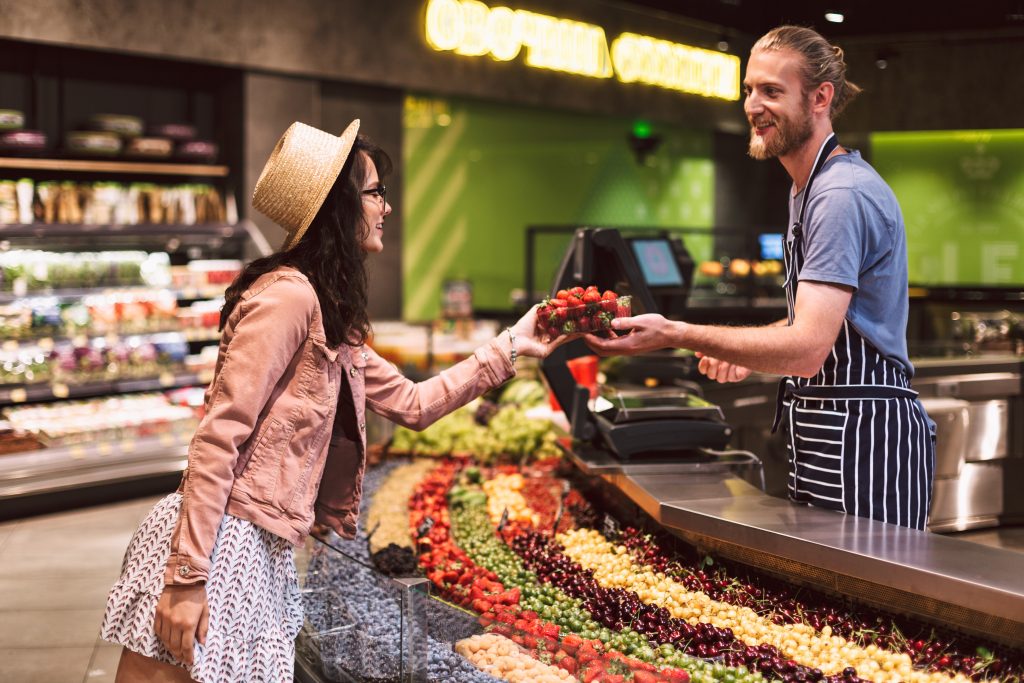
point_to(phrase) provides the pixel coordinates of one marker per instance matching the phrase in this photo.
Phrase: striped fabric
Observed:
(859, 440)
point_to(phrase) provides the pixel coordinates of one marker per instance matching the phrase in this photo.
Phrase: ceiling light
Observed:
(834, 17)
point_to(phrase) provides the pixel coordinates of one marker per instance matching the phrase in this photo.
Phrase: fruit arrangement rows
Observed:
(525, 554)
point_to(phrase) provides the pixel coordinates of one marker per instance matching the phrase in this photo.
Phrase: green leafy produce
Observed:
(510, 434)
(524, 392)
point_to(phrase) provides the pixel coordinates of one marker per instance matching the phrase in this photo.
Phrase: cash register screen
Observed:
(657, 262)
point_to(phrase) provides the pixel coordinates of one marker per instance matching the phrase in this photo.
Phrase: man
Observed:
(859, 440)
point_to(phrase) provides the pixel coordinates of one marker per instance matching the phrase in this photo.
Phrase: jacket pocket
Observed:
(263, 469)
(320, 379)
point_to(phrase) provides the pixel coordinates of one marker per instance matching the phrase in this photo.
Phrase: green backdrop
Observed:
(962, 195)
(477, 174)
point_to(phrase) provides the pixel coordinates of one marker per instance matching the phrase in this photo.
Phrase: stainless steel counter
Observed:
(714, 505)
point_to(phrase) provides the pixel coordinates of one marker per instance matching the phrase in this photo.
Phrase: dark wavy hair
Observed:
(330, 254)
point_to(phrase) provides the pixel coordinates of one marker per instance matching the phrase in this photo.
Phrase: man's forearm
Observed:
(777, 348)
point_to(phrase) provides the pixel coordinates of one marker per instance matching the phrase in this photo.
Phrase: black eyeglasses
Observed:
(379, 191)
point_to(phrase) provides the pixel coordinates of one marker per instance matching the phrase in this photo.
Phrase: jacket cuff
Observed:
(345, 524)
(496, 356)
(185, 571)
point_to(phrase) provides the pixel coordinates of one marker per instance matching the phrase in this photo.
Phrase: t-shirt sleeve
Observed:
(834, 238)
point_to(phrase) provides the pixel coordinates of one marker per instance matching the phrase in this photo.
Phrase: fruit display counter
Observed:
(535, 573)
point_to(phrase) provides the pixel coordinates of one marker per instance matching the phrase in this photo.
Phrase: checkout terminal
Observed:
(632, 422)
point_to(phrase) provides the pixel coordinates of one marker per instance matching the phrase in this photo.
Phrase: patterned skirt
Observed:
(252, 591)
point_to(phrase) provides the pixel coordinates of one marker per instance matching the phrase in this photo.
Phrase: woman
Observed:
(208, 587)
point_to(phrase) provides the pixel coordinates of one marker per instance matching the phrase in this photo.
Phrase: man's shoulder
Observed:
(850, 172)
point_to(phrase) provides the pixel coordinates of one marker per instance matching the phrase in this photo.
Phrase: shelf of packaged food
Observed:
(45, 391)
(162, 230)
(106, 166)
(79, 292)
(198, 334)
(69, 467)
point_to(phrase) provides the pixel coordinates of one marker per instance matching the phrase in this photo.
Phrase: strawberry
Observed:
(550, 630)
(528, 615)
(586, 324)
(676, 675)
(573, 301)
(569, 664)
(609, 295)
(591, 297)
(644, 677)
(569, 327)
(577, 291)
(622, 308)
(481, 606)
(562, 294)
(592, 673)
(613, 678)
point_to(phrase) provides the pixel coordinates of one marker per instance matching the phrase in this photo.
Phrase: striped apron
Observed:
(858, 441)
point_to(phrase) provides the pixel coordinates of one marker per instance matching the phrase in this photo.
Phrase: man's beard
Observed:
(788, 137)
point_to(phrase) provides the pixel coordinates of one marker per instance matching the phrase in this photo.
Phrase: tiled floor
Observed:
(55, 571)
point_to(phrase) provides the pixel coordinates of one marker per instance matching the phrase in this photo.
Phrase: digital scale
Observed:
(632, 422)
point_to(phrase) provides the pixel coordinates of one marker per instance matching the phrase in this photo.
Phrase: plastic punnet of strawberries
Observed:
(581, 310)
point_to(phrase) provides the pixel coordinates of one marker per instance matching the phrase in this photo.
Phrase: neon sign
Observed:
(471, 28)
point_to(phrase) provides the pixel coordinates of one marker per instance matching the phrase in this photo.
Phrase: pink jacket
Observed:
(283, 440)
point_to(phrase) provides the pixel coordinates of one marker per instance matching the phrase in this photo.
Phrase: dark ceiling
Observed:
(861, 17)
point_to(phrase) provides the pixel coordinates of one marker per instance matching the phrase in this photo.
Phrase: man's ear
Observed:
(821, 100)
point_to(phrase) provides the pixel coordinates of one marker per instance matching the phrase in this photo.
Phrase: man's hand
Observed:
(648, 332)
(721, 371)
(182, 617)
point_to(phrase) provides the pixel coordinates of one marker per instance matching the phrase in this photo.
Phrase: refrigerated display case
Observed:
(94, 314)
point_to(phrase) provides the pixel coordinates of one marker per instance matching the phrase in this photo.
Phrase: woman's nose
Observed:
(387, 207)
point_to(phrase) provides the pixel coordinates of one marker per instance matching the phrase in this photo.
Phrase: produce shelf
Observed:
(190, 334)
(103, 166)
(78, 293)
(69, 467)
(47, 391)
(162, 230)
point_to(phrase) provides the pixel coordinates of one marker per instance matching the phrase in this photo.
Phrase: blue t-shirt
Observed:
(854, 235)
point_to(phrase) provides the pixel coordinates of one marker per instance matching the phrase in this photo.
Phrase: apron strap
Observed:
(789, 391)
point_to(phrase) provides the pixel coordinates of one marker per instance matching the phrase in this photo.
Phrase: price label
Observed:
(60, 390)
(46, 344)
(80, 340)
(205, 376)
(104, 448)
(166, 440)
(11, 345)
(112, 339)
(504, 520)
(610, 526)
(425, 526)
(19, 395)
(166, 379)
(77, 452)
(127, 446)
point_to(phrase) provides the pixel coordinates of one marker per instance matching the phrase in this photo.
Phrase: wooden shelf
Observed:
(104, 166)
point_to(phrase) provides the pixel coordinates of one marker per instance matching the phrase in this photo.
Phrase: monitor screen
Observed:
(771, 245)
(657, 262)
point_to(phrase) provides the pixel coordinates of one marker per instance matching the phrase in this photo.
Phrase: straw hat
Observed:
(298, 175)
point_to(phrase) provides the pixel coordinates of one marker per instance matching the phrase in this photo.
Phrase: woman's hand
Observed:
(527, 341)
(721, 371)
(648, 332)
(182, 618)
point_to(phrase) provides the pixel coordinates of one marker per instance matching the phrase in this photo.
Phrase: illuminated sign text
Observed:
(471, 28)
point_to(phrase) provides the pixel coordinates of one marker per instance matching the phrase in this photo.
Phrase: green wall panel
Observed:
(477, 174)
(962, 195)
